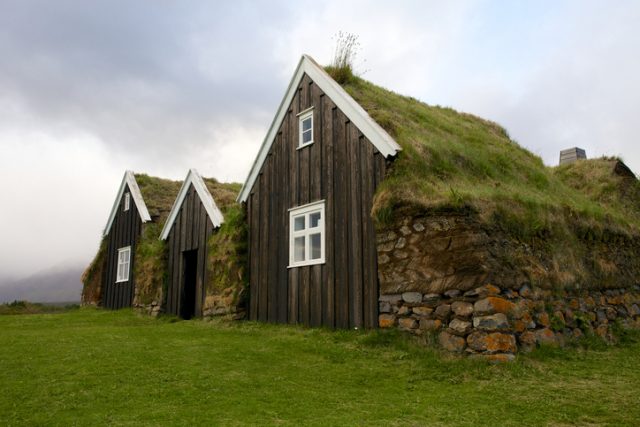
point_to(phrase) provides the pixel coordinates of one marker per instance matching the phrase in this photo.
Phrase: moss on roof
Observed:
(606, 181)
(453, 160)
(223, 193)
(158, 194)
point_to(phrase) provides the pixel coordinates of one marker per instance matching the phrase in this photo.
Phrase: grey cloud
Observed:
(141, 76)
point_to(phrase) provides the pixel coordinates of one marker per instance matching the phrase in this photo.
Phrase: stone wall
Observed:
(433, 255)
(152, 309)
(495, 323)
(229, 302)
(439, 252)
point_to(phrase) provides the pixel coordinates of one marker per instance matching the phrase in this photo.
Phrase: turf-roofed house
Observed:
(366, 208)
(309, 196)
(128, 267)
(205, 261)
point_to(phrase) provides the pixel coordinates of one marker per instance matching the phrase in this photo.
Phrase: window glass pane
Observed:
(298, 249)
(315, 246)
(306, 124)
(314, 219)
(306, 137)
(298, 223)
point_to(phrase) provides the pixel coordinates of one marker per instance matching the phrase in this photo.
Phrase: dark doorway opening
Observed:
(188, 300)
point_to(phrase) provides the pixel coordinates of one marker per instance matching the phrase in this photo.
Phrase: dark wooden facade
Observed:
(125, 231)
(187, 245)
(343, 168)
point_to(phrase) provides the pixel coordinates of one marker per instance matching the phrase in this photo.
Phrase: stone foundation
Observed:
(226, 303)
(495, 323)
(152, 309)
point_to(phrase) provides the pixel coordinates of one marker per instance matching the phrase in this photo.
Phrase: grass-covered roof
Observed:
(453, 160)
(158, 194)
(223, 193)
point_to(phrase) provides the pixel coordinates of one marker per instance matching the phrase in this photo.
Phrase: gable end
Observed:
(360, 118)
(193, 177)
(128, 180)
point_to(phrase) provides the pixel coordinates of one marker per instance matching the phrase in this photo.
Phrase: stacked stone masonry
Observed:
(223, 304)
(495, 323)
(433, 253)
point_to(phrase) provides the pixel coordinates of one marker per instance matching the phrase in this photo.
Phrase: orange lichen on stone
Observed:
(386, 320)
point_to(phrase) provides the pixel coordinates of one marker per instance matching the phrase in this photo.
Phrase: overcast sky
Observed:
(89, 89)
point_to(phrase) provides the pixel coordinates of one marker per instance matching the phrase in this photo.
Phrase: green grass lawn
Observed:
(94, 367)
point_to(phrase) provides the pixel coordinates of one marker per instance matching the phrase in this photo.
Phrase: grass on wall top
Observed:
(453, 160)
(159, 195)
(227, 247)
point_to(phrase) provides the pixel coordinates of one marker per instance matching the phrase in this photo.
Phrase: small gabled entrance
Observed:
(188, 292)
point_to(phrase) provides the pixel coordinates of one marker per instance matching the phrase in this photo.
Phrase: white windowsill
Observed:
(307, 263)
(300, 147)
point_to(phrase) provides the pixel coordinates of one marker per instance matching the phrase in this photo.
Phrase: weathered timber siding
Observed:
(125, 231)
(191, 230)
(343, 168)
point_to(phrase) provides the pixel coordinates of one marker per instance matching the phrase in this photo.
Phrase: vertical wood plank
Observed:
(328, 301)
(294, 200)
(303, 302)
(254, 238)
(315, 194)
(195, 241)
(304, 198)
(118, 286)
(282, 219)
(177, 289)
(168, 306)
(272, 282)
(341, 220)
(294, 281)
(264, 243)
(355, 220)
(206, 273)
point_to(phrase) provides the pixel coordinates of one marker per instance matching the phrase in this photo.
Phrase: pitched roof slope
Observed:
(376, 134)
(455, 160)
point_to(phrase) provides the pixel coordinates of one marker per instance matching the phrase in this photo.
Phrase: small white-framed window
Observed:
(305, 120)
(306, 234)
(124, 261)
(127, 201)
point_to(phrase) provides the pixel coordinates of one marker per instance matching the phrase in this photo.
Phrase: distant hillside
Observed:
(53, 285)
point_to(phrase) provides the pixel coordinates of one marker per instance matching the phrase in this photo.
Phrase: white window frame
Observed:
(302, 116)
(124, 266)
(306, 211)
(127, 201)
